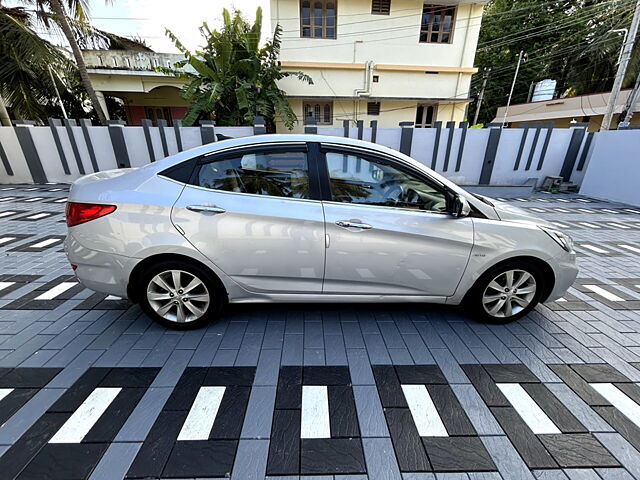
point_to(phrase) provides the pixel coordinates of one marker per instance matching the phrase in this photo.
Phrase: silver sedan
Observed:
(306, 218)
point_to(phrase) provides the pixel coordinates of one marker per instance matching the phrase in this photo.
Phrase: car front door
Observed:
(388, 229)
(255, 214)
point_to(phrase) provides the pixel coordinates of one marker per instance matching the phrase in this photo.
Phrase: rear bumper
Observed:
(102, 272)
(565, 271)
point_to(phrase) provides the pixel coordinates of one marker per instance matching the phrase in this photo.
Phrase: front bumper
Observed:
(102, 272)
(565, 271)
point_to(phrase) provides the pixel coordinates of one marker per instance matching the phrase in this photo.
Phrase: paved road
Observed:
(91, 388)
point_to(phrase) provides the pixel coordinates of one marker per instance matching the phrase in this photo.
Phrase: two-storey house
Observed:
(384, 60)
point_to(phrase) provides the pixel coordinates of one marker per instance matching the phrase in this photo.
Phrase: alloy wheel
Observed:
(509, 293)
(178, 296)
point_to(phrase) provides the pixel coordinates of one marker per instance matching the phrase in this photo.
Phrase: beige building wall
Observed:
(409, 72)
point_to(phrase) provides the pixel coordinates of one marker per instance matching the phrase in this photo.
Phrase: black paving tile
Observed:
(331, 456)
(485, 386)
(389, 387)
(187, 388)
(510, 373)
(458, 454)
(342, 412)
(155, 450)
(14, 402)
(623, 425)
(132, 377)
(111, 421)
(289, 391)
(64, 461)
(420, 374)
(578, 450)
(407, 444)
(555, 410)
(226, 376)
(230, 417)
(599, 373)
(24, 377)
(20, 453)
(579, 385)
(284, 447)
(451, 412)
(80, 390)
(326, 375)
(98, 301)
(523, 439)
(201, 458)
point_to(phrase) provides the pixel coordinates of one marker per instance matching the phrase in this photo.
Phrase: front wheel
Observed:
(506, 292)
(180, 295)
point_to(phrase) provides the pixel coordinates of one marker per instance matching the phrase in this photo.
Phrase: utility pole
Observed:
(513, 84)
(622, 68)
(627, 113)
(485, 77)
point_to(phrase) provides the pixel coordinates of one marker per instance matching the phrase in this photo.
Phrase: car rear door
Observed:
(388, 229)
(256, 214)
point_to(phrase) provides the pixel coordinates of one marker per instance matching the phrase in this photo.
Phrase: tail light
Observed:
(78, 213)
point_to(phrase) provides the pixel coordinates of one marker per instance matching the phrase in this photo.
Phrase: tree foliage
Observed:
(233, 78)
(569, 41)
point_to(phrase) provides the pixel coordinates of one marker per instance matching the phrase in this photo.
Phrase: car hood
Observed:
(511, 213)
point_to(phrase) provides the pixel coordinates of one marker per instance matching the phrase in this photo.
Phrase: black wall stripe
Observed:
(585, 151)
(177, 130)
(406, 137)
(85, 123)
(53, 123)
(360, 125)
(5, 160)
(464, 126)
(69, 123)
(572, 153)
(436, 144)
(23, 132)
(345, 128)
(207, 131)
(523, 139)
(490, 156)
(374, 130)
(146, 128)
(163, 136)
(545, 145)
(534, 144)
(116, 132)
(451, 127)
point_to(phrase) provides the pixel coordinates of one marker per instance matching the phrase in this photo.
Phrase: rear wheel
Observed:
(506, 292)
(180, 295)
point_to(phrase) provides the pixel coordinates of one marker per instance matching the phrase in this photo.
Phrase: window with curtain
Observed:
(437, 24)
(318, 18)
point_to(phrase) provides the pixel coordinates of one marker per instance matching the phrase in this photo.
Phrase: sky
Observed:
(149, 18)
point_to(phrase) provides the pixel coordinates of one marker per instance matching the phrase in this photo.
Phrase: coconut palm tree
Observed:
(233, 78)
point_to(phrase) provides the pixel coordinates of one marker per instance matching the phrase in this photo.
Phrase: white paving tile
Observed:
(528, 409)
(45, 243)
(55, 291)
(593, 248)
(4, 392)
(314, 421)
(38, 216)
(86, 416)
(620, 400)
(423, 411)
(604, 293)
(202, 415)
(4, 285)
(631, 248)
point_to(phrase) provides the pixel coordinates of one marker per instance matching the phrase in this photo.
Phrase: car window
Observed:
(355, 179)
(277, 174)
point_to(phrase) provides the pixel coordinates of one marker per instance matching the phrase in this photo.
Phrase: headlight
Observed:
(560, 238)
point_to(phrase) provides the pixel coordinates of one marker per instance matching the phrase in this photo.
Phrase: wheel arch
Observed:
(544, 267)
(133, 292)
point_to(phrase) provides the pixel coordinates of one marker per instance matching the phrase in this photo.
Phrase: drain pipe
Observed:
(366, 91)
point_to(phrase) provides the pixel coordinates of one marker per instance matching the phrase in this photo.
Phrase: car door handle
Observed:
(349, 224)
(206, 209)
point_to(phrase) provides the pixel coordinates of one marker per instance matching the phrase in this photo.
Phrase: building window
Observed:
(373, 108)
(437, 24)
(376, 78)
(322, 112)
(318, 18)
(424, 116)
(380, 7)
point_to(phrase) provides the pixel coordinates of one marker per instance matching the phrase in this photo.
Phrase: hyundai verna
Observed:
(306, 218)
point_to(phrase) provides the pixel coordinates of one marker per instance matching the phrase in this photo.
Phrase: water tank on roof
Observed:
(544, 90)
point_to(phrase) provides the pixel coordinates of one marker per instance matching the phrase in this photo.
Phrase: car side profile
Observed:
(306, 218)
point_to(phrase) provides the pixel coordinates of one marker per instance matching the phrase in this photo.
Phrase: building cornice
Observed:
(380, 67)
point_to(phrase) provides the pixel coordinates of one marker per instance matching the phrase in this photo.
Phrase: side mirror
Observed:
(460, 207)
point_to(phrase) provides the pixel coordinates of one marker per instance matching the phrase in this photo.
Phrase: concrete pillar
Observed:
(103, 103)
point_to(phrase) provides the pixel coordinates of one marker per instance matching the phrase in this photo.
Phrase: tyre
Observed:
(506, 292)
(180, 295)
